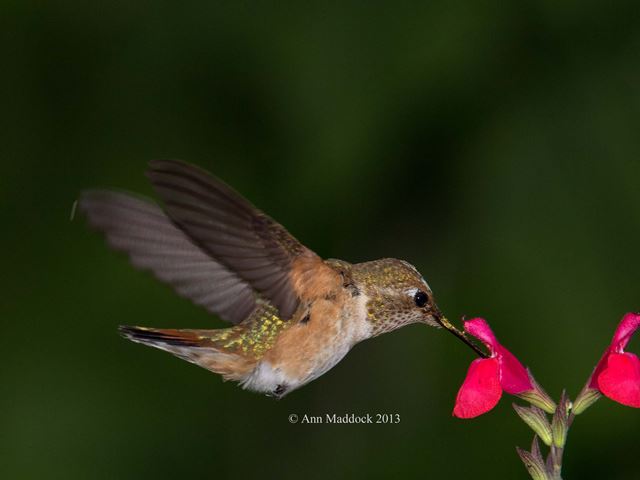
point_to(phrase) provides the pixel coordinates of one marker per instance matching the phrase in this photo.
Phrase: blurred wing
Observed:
(141, 229)
(235, 233)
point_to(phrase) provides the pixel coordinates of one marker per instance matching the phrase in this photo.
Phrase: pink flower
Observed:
(617, 374)
(488, 377)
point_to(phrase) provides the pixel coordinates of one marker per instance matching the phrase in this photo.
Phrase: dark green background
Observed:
(494, 146)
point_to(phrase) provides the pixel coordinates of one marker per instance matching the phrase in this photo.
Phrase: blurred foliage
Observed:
(493, 145)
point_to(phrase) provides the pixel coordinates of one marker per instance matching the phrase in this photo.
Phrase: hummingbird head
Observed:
(396, 294)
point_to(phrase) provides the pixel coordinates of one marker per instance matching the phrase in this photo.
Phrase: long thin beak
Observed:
(442, 320)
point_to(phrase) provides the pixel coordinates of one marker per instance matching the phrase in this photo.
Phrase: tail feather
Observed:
(195, 346)
(153, 336)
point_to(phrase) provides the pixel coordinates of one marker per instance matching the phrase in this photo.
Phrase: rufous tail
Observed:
(195, 346)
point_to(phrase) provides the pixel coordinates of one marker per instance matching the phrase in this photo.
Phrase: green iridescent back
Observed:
(254, 336)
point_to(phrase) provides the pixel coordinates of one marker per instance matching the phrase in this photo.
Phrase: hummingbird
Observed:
(293, 315)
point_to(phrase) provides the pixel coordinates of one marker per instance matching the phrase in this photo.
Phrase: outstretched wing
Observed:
(142, 230)
(238, 235)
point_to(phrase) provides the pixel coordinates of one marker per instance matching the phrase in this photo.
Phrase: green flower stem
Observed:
(561, 421)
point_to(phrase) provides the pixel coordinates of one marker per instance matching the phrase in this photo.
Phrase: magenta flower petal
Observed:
(600, 366)
(514, 378)
(627, 326)
(480, 391)
(479, 328)
(620, 379)
(625, 329)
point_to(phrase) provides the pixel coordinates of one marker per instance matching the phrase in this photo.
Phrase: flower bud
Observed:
(536, 419)
(534, 465)
(587, 397)
(560, 422)
(538, 397)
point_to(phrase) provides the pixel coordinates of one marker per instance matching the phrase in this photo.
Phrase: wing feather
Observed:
(231, 230)
(153, 242)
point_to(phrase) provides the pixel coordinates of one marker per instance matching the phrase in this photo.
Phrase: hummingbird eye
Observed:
(421, 298)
